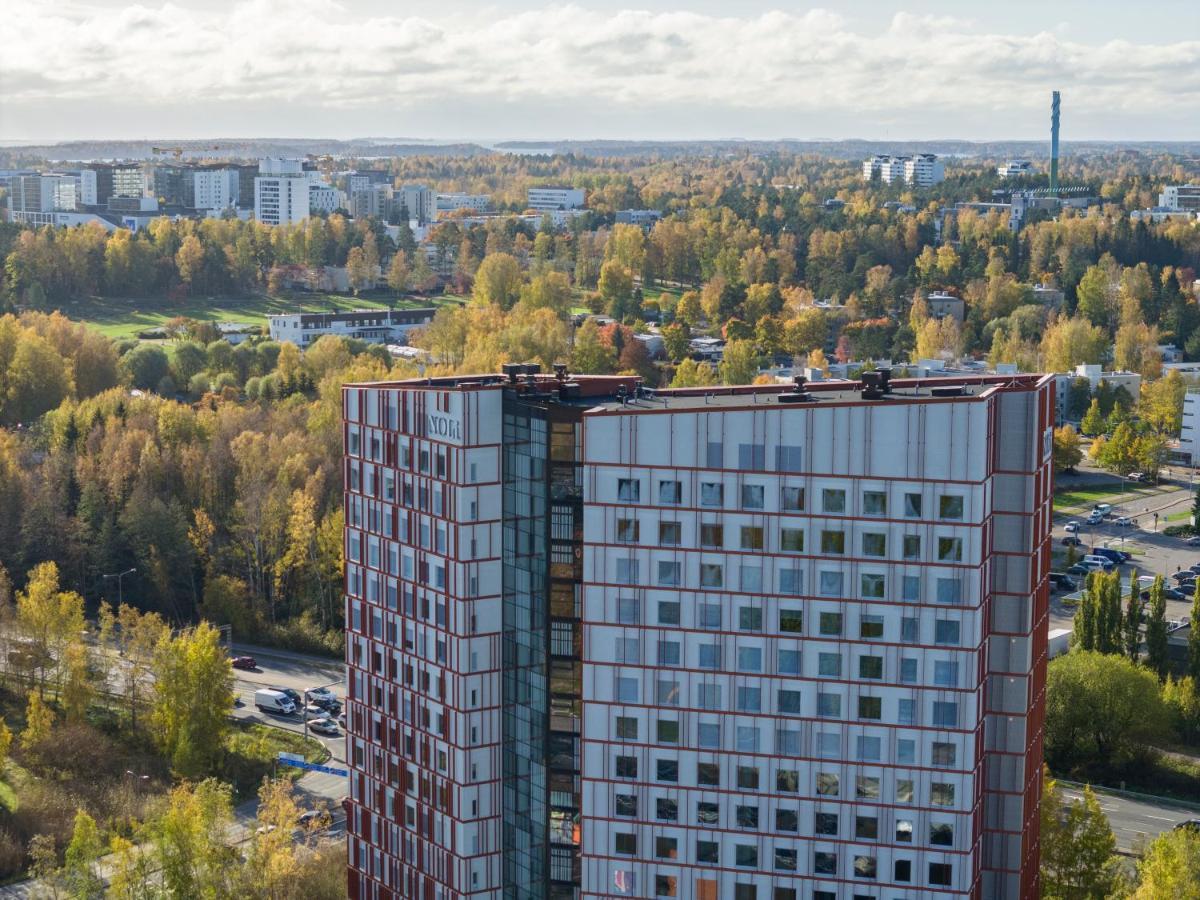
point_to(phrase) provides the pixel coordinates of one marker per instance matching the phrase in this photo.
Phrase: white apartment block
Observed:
(452, 202)
(1130, 381)
(281, 192)
(1015, 168)
(922, 170)
(215, 189)
(1180, 197)
(732, 644)
(420, 201)
(324, 198)
(556, 198)
(46, 193)
(1189, 435)
(375, 326)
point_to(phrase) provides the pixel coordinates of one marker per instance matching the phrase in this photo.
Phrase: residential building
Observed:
(753, 643)
(643, 217)
(173, 184)
(375, 326)
(324, 198)
(1015, 168)
(217, 189)
(545, 198)
(453, 202)
(1047, 296)
(942, 305)
(1158, 214)
(375, 200)
(281, 192)
(129, 180)
(923, 170)
(1130, 381)
(47, 192)
(420, 201)
(1180, 197)
(1189, 435)
(95, 184)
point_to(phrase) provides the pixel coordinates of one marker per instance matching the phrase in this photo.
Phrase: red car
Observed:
(244, 662)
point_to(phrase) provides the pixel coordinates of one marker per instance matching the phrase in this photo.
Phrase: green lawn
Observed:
(119, 318)
(1184, 515)
(1091, 495)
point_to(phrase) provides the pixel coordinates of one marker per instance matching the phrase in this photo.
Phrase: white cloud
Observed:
(318, 54)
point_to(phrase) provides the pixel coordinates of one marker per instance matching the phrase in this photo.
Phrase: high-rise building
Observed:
(95, 184)
(758, 643)
(215, 188)
(420, 201)
(281, 191)
(923, 170)
(43, 193)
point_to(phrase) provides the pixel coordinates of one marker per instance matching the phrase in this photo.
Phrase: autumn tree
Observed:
(739, 363)
(498, 280)
(39, 721)
(592, 355)
(676, 341)
(616, 290)
(50, 620)
(1068, 343)
(398, 272)
(192, 698)
(188, 840)
(1170, 867)
(1093, 419)
(80, 869)
(691, 373)
(1079, 849)
(1157, 652)
(1067, 452)
(139, 635)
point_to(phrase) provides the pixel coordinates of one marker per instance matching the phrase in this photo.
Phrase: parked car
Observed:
(1184, 575)
(324, 725)
(312, 818)
(1124, 522)
(244, 662)
(312, 711)
(1080, 570)
(1071, 541)
(1116, 557)
(1136, 476)
(1188, 825)
(291, 692)
(1097, 561)
(271, 701)
(1061, 581)
(1095, 518)
(1194, 540)
(315, 695)
(1071, 527)
(1102, 508)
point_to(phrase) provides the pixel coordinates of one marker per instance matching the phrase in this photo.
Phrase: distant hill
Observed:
(236, 148)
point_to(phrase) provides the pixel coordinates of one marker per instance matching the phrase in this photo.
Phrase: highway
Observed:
(1135, 822)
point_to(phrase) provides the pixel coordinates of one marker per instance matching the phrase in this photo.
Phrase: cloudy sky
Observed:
(461, 69)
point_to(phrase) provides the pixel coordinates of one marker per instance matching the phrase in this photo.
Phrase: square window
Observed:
(907, 712)
(749, 699)
(783, 894)
(625, 842)
(745, 892)
(627, 690)
(787, 820)
(668, 653)
(628, 531)
(829, 744)
(864, 867)
(910, 588)
(947, 632)
(906, 749)
(666, 692)
(833, 542)
(790, 581)
(874, 503)
(788, 662)
(791, 540)
(872, 586)
(912, 546)
(831, 584)
(710, 656)
(908, 670)
(752, 456)
(949, 591)
(787, 780)
(629, 611)
(791, 620)
(941, 794)
(707, 852)
(950, 507)
(706, 813)
(626, 805)
(791, 499)
(747, 777)
(945, 673)
(870, 667)
(829, 705)
(940, 874)
(628, 650)
(870, 708)
(870, 626)
(749, 659)
(824, 863)
(788, 702)
(912, 506)
(941, 834)
(709, 615)
(711, 575)
(750, 578)
(828, 784)
(866, 828)
(787, 742)
(708, 735)
(910, 630)
(750, 618)
(904, 831)
(869, 748)
(829, 665)
(667, 770)
(665, 886)
(629, 490)
(747, 817)
(666, 847)
(715, 456)
(712, 493)
(752, 537)
(902, 870)
(670, 492)
(627, 767)
(747, 739)
(874, 544)
(669, 533)
(825, 824)
(627, 728)
(945, 714)
(708, 696)
(830, 623)
(667, 731)
(668, 612)
(950, 549)
(866, 787)
(752, 496)
(785, 859)
(904, 790)
(833, 500)
(708, 774)
(712, 535)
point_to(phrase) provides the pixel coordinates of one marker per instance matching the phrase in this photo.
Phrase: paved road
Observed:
(1136, 822)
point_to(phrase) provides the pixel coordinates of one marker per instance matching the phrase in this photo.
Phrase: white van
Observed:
(271, 701)
(1093, 561)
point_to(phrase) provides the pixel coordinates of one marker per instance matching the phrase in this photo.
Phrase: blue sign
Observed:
(288, 760)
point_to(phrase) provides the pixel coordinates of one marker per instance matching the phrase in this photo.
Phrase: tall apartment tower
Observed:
(762, 643)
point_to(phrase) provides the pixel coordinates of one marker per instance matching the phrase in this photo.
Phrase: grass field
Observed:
(125, 318)
(1091, 495)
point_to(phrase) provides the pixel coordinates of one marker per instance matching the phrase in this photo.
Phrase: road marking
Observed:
(1162, 818)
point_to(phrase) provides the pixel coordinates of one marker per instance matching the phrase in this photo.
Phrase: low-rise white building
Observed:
(643, 217)
(1130, 381)
(544, 198)
(455, 200)
(1015, 168)
(942, 305)
(1158, 214)
(376, 326)
(1180, 197)
(325, 198)
(1189, 435)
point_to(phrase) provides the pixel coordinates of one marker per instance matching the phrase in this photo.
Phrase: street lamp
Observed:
(120, 577)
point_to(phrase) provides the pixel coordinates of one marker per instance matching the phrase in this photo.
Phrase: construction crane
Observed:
(178, 152)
